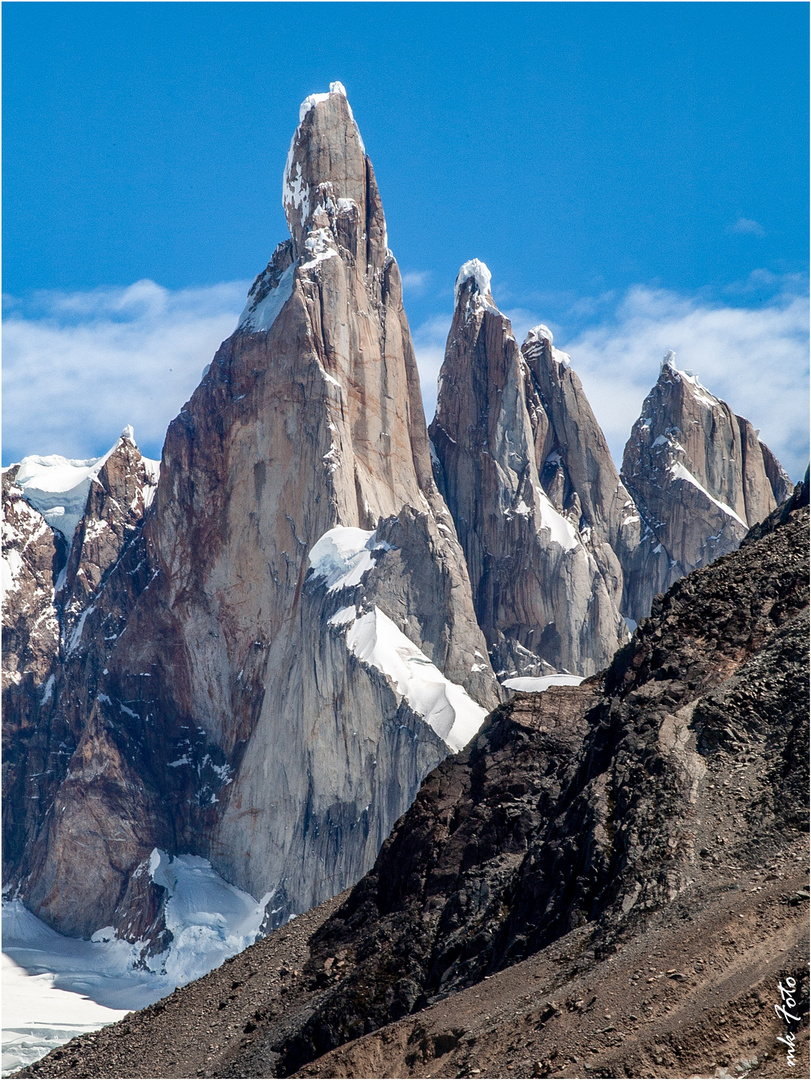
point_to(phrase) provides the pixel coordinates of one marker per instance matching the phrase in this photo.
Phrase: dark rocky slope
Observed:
(609, 878)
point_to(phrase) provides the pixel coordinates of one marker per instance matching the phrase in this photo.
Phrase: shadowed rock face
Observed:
(52, 588)
(32, 555)
(534, 494)
(700, 477)
(229, 699)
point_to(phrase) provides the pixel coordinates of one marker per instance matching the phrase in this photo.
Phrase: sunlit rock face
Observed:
(288, 644)
(533, 492)
(700, 477)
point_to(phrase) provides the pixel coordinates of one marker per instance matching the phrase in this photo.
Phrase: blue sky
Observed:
(634, 175)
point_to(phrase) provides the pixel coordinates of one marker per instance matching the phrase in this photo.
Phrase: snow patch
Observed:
(57, 486)
(679, 472)
(560, 529)
(445, 706)
(343, 555)
(56, 987)
(11, 570)
(318, 247)
(259, 317)
(78, 630)
(312, 100)
(537, 686)
(209, 919)
(700, 392)
(482, 297)
(538, 334)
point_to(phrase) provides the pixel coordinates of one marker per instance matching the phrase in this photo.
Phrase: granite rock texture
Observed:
(228, 692)
(533, 492)
(700, 478)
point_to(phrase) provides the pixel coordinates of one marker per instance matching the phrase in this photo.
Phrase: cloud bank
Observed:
(78, 367)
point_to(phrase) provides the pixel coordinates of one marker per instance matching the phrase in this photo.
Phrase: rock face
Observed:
(288, 644)
(700, 477)
(117, 498)
(66, 526)
(619, 858)
(534, 494)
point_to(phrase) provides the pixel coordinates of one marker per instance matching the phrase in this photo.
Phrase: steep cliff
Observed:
(533, 492)
(66, 526)
(289, 643)
(700, 478)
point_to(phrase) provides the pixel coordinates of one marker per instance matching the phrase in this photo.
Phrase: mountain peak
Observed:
(477, 274)
(327, 167)
(315, 99)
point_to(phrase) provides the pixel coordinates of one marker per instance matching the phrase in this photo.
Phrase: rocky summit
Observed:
(700, 478)
(235, 668)
(610, 880)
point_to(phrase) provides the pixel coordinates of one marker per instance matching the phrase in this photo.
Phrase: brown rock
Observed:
(700, 477)
(517, 444)
(227, 699)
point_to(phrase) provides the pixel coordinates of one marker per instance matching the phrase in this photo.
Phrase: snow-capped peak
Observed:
(473, 268)
(480, 297)
(57, 487)
(539, 333)
(690, 378)
(315, 99)
(300, 186)
(535, 340)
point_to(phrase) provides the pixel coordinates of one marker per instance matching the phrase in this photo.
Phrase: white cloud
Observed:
(746, 226)
(414, 281)
(429, 349)
(78, 367)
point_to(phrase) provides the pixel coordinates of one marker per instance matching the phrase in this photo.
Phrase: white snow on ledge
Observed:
(700, 392)
(536, 686)
(443, 705)
(561, 530)
(57, 487)
(343, 555)
(680, 472)
(482, 298)
(312, 100)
